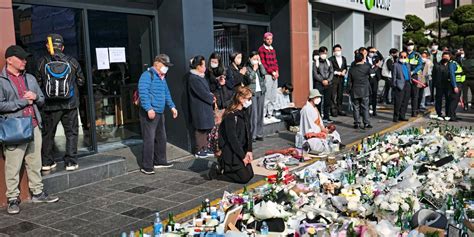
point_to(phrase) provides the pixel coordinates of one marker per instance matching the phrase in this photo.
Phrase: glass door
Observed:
(121, 48)
(32, 24)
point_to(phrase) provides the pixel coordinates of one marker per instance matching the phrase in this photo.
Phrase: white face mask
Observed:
(411, 47)
(254, 62)
(214, 65)
(434, 47)
(317, 101)
(403, 60)
(338, 53)
(316, 57)
(462, 55)
(247, 103)
(164, 69)
(323, 56)
(371, 55)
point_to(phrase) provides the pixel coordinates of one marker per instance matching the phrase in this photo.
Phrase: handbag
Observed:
(15, 131)
(218, 113)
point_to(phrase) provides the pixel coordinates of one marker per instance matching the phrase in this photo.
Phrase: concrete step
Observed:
(92, 169)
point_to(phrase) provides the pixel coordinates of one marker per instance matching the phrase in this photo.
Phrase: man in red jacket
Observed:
(268, 57)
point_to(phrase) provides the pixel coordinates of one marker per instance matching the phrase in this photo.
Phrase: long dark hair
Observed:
(220, 70)
(251, 55)
(240, 92)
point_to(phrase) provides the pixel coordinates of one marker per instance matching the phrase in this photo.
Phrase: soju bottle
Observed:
(171, 222)
(449, 202)
(245, 195)
(350, 230)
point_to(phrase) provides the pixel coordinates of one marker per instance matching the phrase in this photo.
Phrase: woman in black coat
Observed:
(220, 84)
(201, 102)
(236, 70)
(235, 141)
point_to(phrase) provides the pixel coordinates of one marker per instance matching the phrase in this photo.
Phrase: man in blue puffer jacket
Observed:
(154, 96)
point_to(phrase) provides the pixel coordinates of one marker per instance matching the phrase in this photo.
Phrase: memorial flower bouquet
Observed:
(389, 206)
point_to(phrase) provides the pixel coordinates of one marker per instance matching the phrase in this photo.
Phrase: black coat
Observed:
(234, 140)
(358, 80)
(223, 96)
(237, 78)
(200, 103)
(335, 65)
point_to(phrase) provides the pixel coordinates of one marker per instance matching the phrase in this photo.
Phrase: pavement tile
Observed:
(57, 206)
(116, 221)
(199, 191)
(118, 207)
(95, 215)
(140, 190)
(120, 196)
(161, 205)
(122, 186)
(50, 219)
(90, 230)
(29, 214)
(160, 193)
(8, 221)
(178, 187)
(99, 202)
(138, 212)
(42, 232)
(70, 225)
(181, 197)
(19, 228)
(75, 210)
(140, 200)
(75, 198)
(195, 181)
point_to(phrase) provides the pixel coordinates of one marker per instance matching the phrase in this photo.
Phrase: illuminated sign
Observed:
(370, 4)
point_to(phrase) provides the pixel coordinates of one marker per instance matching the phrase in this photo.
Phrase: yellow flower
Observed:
(311, 231)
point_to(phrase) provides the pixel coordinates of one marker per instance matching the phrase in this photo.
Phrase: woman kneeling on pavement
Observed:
(235, 141)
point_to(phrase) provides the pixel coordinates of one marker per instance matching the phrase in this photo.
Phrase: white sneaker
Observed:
(48, 167)
(267, 120)
(72, 167)
(275, 120)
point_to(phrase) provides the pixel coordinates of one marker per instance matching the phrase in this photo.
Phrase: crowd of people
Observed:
(228, 104)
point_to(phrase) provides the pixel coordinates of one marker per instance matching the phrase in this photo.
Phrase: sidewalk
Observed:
(129, 202)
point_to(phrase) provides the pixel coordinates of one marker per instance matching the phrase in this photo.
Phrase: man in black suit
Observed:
(339, 63)
(359, 89)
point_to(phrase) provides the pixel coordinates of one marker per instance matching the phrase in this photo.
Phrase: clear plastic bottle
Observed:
(157, 226)
(264, 228)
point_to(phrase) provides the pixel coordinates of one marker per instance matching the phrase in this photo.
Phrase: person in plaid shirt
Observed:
(268, 57)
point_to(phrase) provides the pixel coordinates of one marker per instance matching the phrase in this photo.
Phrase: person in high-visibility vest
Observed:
(459, 77)
(416, 66)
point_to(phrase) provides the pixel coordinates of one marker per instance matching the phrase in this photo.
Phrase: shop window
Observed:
(32, 24)
(322, 33)
(129, 38)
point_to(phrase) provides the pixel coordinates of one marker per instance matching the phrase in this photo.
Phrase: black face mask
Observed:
(443, 61)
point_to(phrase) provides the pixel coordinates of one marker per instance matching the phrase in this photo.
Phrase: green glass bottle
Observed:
(449, 202)
(171, 223)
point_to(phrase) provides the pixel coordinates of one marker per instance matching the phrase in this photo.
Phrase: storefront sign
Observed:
(117, 55)
(380, 4)
(394, 9)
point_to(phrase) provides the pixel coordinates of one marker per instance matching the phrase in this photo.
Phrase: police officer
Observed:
(460, 77)
(416, 66)
(445, 86)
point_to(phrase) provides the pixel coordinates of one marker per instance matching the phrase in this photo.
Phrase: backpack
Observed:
(59, 82)
(136, 96)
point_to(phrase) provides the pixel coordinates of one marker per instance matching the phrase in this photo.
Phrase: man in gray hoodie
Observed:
(20, 96)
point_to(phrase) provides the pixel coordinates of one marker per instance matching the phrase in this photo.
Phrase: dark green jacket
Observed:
(251, 75)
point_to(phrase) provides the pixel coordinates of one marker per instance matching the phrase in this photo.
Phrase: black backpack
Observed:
(58, 81)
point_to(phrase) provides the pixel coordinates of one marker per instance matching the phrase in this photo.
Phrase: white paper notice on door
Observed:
(117, 55)
(102, 58)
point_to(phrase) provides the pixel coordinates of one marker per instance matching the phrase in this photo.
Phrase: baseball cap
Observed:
(410, 42)
(56, 38)
(314, 93)
(16, 51)
(163, 58)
